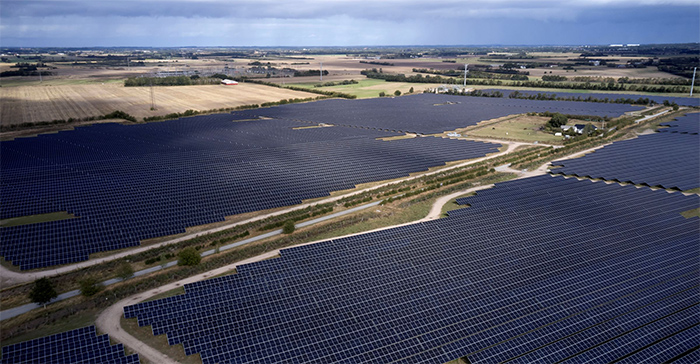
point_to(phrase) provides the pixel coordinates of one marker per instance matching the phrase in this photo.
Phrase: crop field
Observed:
(31, 104)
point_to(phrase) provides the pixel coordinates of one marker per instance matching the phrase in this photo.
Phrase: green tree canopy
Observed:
(288, 227)
(188, 256)
(557, 120)
(42, 292)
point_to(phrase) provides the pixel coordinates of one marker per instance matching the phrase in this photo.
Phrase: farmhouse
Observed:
(228, 82)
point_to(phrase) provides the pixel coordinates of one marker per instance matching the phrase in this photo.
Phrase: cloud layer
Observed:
(345, 22)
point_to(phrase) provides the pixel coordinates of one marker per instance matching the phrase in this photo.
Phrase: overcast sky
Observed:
(86, 23)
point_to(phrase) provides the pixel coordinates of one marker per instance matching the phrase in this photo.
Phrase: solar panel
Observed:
(130, 183)
(664, 159)
(75, 346)
(536, 269)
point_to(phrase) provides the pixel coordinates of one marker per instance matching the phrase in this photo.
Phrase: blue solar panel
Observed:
(130, 183)
(688, 124)
(664, 159)
(539, 268)
(659, 99)
(427, 113)
(76, 346)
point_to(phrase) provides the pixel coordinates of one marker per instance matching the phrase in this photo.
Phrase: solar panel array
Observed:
(427, 113)
(544, 268)
(135, 182)
(662, 159)
(659, 99)
(76, 346)
(687, 124)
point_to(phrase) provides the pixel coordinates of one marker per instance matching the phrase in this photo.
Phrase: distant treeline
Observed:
(309, 73)
(26, 69)
(533, 84)
(378, 63)
(171, 81)
(497, 75)
(320, 92)
(117, 114)
(553, 97)
(336, 83)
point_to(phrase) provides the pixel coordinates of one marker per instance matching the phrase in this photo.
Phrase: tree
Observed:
(557, 120)
(125, 271)
(42, 292)
(188, 256)
(382, 94)
(588, 129)
(410, 91)
(89, 286)
(397, 93)
(288, 227)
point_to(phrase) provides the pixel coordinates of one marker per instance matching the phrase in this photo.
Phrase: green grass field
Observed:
(519, 129)
(368, 88)
(34, 219)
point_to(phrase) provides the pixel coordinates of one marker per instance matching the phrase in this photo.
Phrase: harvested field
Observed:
(31, 104)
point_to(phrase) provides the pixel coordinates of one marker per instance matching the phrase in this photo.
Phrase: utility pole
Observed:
(153, 97)
(693, 83)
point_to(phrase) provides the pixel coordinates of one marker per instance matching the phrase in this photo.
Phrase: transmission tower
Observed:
(153, 97)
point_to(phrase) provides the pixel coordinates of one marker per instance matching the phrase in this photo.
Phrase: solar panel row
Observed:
(663, 159)
(427, 113)
(544, 268)
(130, 183)
(76, 346)
(659, 99)
(687, 124)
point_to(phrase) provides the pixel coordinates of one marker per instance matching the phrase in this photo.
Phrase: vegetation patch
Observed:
(691, 213)
(35, 219)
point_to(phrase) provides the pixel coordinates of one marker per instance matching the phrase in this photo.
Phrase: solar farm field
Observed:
(544, 268)
(75, 346)
(659, 99)
(127, 183)
(427, 113)
(688, 124)
(668, 159)
(31, 104)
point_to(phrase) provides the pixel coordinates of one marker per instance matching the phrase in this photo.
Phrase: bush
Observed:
(397, 93)
(125, 271)
(188, 256)
(557, 120)
(42, 292)
(382, 94)
(288, 227)
(89, 286)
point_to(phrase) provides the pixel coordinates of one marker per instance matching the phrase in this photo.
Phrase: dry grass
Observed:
(31, 104)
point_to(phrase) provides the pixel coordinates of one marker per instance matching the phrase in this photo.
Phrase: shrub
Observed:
(125, 271)
(288, 227)
(89, 286)
(42, 292)
(188, 256)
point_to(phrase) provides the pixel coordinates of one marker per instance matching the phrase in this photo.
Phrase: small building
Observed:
(578, 128)
(228, 82)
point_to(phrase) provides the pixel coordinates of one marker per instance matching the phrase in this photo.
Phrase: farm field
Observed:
(31, 104)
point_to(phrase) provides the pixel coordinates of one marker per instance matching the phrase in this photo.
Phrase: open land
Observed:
(31, 104)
